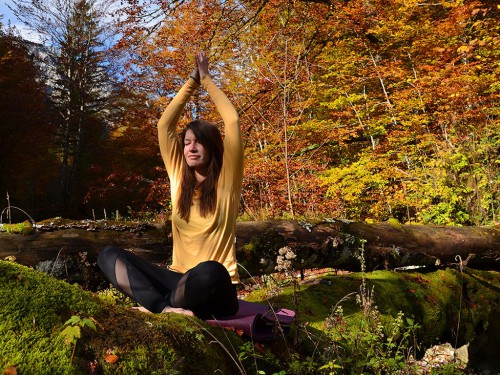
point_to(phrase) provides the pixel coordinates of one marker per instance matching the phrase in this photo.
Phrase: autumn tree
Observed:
(417, 98)
(27, 159)
(77, 37)
(266, 74)
(286, 151)
(365, 110)
(130, 178)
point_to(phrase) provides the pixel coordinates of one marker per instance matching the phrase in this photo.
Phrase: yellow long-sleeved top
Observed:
(212, 237)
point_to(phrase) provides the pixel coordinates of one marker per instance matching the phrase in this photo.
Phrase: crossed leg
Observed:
(205, 289)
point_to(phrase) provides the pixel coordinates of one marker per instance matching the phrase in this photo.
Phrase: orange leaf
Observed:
(12, 370)
(111, 358)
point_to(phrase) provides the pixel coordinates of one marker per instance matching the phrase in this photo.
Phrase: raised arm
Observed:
(233, 144)
(170, 148)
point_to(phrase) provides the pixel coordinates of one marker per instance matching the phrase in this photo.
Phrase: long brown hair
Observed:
(209, 136)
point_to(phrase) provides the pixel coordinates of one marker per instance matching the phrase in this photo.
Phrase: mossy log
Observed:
(334, 244)
(386, 245)
(66, 237)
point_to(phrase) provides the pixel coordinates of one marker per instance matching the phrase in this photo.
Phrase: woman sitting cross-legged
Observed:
(206, 175)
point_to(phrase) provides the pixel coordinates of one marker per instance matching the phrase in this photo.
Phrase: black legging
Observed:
(205, 289)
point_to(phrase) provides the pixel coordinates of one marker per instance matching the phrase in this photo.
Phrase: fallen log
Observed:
(333, 244)
(62, 237)
(386, 245)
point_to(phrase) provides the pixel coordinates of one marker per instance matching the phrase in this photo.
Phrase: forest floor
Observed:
(432, 296)
(435, 358)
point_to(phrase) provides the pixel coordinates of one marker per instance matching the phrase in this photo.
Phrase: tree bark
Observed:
(386, 245)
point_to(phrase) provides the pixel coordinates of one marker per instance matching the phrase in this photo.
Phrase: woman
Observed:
(206, 175)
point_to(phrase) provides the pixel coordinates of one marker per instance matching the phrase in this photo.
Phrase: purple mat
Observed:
(256, 321)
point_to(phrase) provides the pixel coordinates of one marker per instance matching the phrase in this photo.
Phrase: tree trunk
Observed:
(333, 244)
(386, 245)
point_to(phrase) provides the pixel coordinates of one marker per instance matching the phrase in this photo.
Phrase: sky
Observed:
(5, 12)
(8, 16)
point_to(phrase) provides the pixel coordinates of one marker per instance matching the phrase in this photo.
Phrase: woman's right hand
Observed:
(202, 64)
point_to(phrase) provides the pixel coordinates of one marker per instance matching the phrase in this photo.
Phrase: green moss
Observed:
(249, 249)
(393, 221)
(25, 228)
(33, 309)
(431, 299)
(436, 300)
(35, 306)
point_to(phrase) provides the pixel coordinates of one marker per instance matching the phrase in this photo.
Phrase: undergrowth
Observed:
(363, 323)
(363, 341)
(375, 344)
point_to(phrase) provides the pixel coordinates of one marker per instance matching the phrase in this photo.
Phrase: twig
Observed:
(8, 208)
(459, 258)
(239, 365)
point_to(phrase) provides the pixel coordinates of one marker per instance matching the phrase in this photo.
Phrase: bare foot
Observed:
(177, 310)
(142, 309)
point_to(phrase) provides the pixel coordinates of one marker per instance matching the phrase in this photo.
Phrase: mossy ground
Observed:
(442, 302)
(35, 306)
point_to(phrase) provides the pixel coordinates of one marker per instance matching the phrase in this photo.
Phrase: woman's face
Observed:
(197, 156)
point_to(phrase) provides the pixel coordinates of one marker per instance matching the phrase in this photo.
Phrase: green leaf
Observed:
(73, 320)
(71, 334)
(86, 322)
